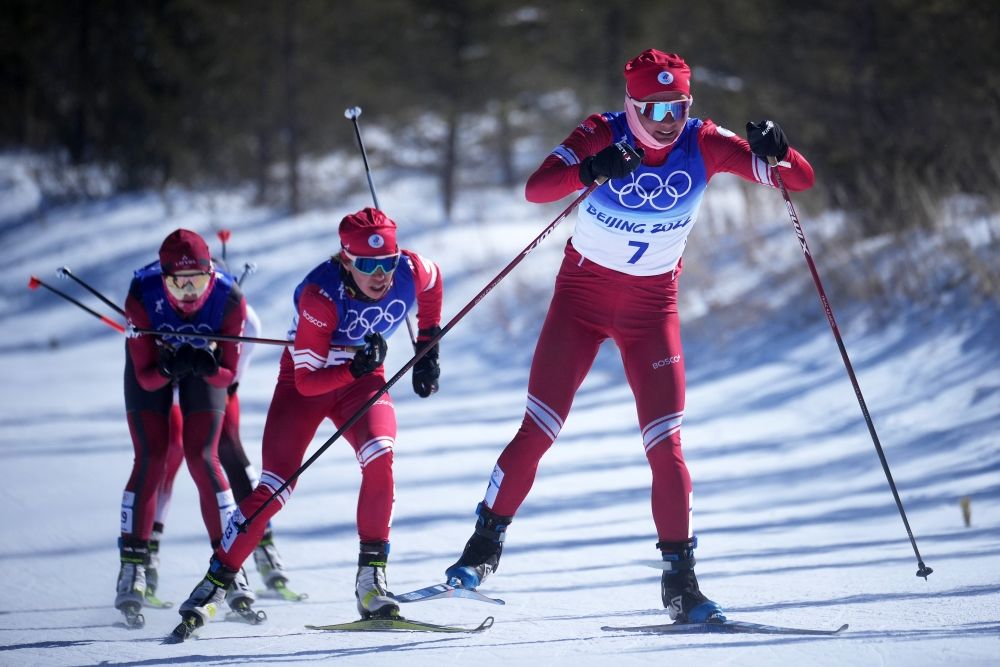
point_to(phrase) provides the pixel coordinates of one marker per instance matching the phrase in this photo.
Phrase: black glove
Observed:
(767, 140)
(176, 364)
(205, 362)
(369, 358)
(427, 370)
(615, 161)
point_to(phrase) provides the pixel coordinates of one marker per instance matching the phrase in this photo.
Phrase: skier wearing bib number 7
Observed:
(618, 280)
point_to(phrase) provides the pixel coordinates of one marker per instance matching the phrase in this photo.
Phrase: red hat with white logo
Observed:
(654, 71)
(184, 250)
(368, 233)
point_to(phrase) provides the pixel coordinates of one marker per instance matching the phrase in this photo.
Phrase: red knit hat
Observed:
(654, 71)
(184, 250)
(368, 233)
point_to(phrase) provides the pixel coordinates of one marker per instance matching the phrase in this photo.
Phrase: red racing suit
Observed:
(624, 287)
(315, 383)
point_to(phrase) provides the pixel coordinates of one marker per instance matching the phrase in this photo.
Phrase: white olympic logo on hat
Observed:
(635, 194)
(187, 328)
(373, 319)
(666, 78)
(376, 241)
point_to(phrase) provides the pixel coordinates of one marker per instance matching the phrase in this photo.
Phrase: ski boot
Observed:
(370, 586)
(204, 600)
(684, 601)
(272, 569)
(153, 570)
(240, 599)
(131, 587)
(481, 556)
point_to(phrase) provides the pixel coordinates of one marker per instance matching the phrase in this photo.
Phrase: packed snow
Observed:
(796, 521)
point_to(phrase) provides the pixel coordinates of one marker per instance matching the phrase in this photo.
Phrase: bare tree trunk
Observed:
(449, 165)
(78, 140)
(291, 108)
(505, 144)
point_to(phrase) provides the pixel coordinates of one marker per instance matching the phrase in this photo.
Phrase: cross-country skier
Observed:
(345, 309)
(618, 280)
(182, 293)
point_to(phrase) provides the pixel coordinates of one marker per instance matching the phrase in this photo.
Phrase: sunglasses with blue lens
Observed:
(369, 265)
(657, 111)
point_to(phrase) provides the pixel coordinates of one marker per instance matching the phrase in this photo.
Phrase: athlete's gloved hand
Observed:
(427, 370)
(767, 140)
(205, 362)
(176, 363)
(615, 161)
(369, 358)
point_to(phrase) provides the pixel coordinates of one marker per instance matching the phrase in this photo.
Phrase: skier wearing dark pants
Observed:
(239, 471)
(180, 293)
(619, 280)
(345, 309)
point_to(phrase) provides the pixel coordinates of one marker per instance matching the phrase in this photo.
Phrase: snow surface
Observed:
(796, 521)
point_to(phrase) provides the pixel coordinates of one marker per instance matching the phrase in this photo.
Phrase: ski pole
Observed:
(35, 283)
(422, 351)
(352, 114)
(248, 268)
(64, 272)
(223, 235)
(923, 570)
(132, 331)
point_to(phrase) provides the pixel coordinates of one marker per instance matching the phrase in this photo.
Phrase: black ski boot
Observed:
(682, 598)
(481, 556)
(153, 569)
(204, 601)
(131, 587)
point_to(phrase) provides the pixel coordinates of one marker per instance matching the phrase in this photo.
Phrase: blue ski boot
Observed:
(481, 556)
(682, 598)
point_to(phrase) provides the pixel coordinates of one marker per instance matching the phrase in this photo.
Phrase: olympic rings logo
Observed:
(373, 319)
(187, 328)
(649, 188)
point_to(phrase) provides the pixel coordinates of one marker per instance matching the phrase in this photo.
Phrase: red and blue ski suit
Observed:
(315, 383)
(618, 280)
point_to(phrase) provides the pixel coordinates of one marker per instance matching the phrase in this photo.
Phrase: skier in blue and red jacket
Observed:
(619, 280)
(345, 309)
(184, 293)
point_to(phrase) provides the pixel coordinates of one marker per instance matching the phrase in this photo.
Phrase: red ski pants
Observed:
(591, 304)
(292, 421)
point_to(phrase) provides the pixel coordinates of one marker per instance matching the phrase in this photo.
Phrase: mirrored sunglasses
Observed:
(181, 286)
(657, 111)
(369, 265)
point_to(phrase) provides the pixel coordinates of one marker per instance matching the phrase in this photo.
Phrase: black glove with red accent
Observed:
(371, 357)
(205, 362)
(176, 364)
(615, 161)
(766, 140)
(427, 370)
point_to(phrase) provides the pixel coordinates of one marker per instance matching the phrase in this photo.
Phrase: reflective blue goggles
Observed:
(369, 265)
(658, 111)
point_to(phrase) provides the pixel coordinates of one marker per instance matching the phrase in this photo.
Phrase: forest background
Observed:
(895, 102)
